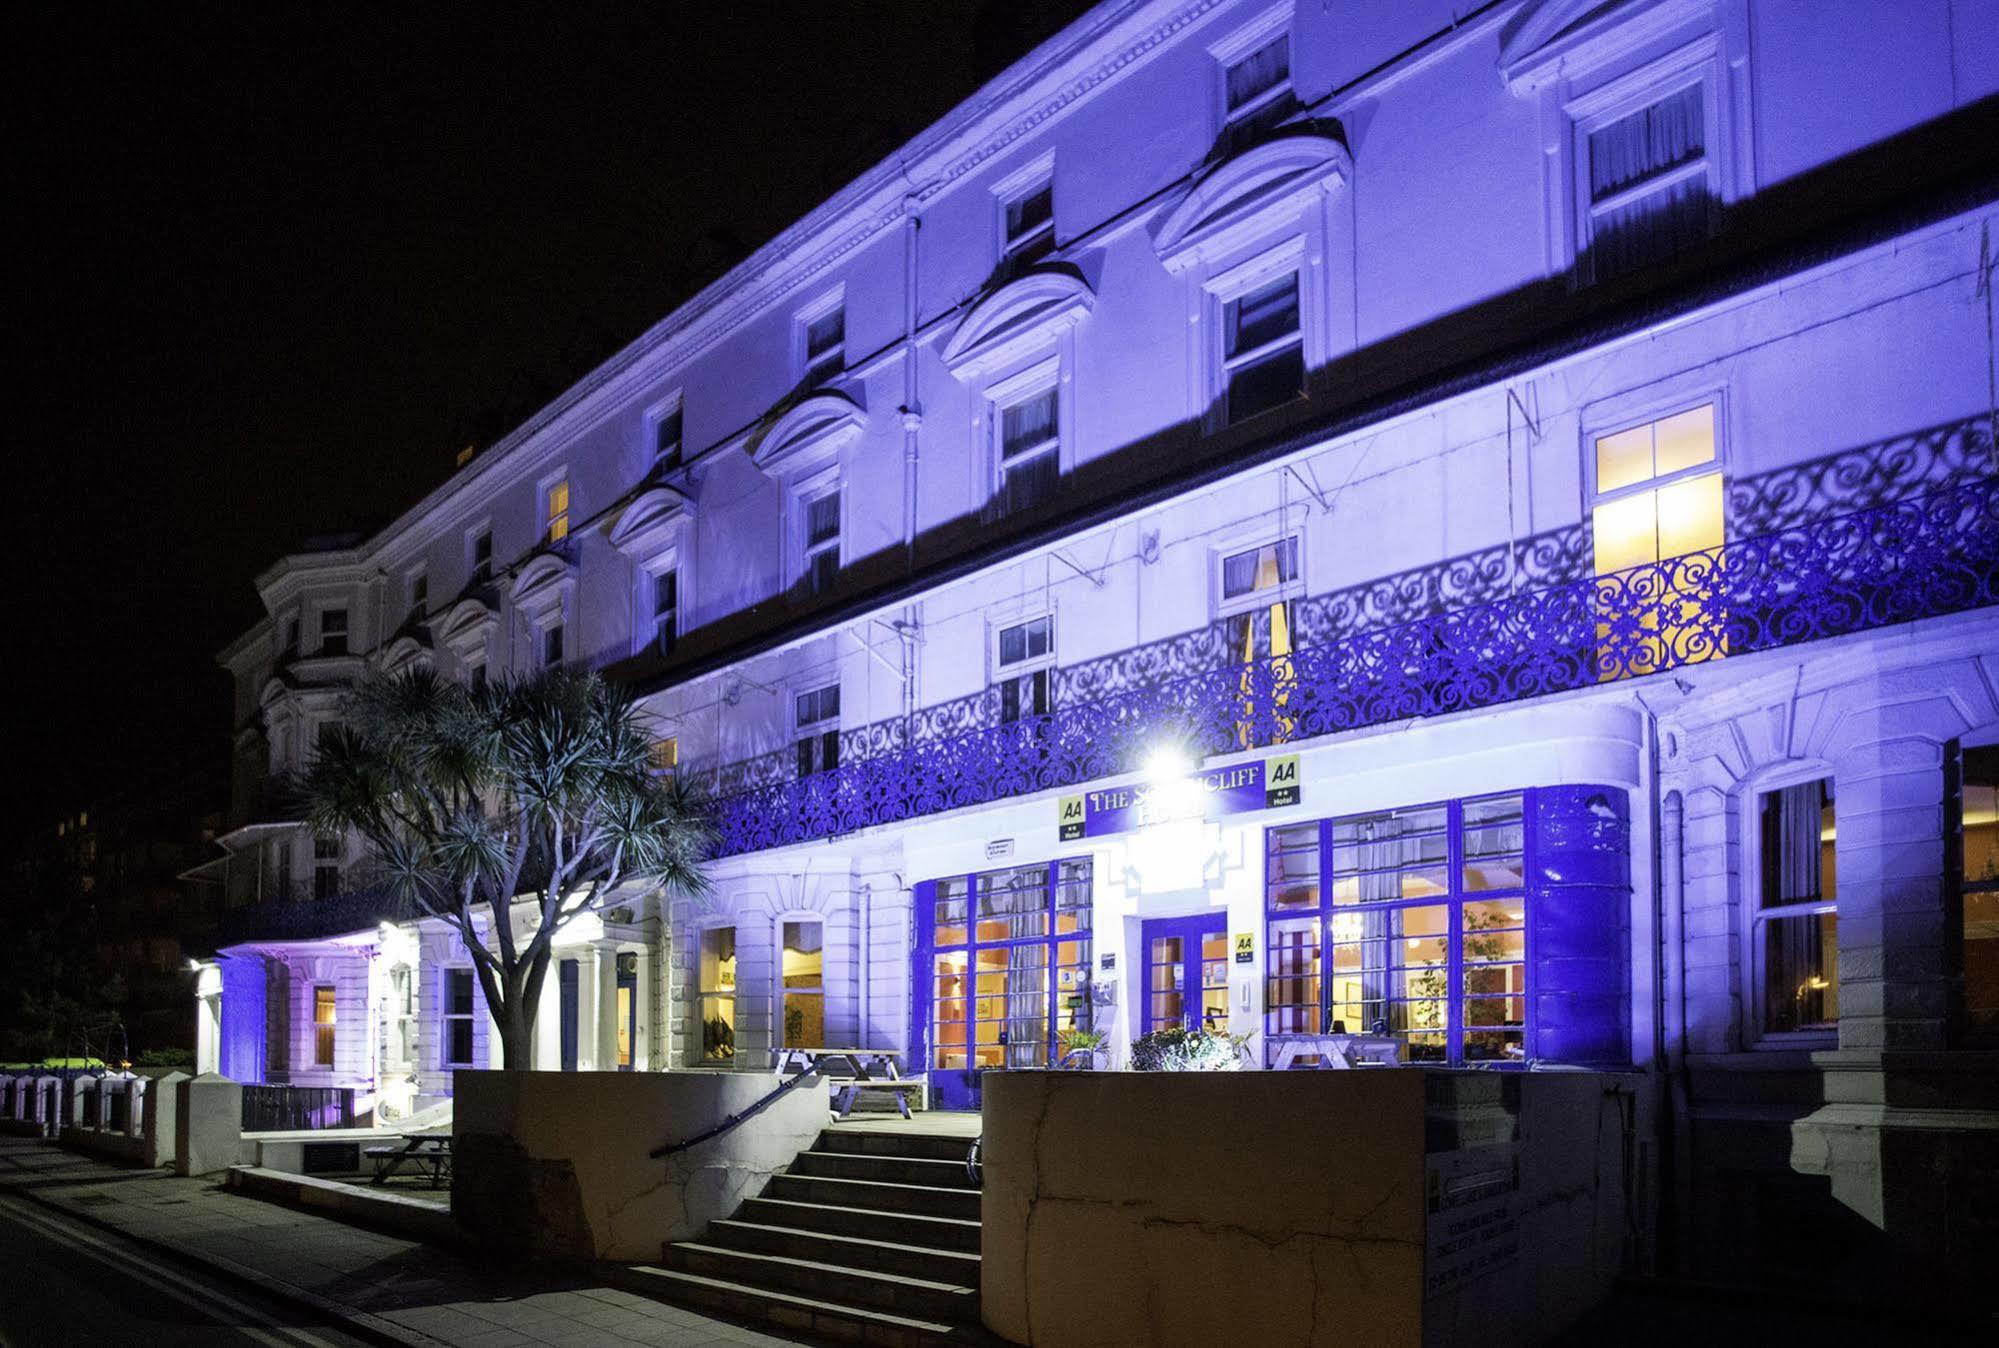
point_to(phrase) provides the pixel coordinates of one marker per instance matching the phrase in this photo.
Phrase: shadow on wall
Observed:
(1930, 172)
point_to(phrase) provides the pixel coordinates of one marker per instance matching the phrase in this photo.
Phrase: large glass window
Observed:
(1977, 852)
(1409, 923)
(1010, 964)
(1256, 584)
(1797, 916)
(804, 975)
(1025, 650)
(717, 981)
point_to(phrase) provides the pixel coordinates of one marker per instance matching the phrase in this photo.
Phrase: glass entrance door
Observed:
(1003, 968)
(1187, 973)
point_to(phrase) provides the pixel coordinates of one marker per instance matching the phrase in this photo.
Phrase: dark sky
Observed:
(273, 265)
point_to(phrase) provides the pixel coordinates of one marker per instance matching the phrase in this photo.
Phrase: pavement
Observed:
(105, 1254)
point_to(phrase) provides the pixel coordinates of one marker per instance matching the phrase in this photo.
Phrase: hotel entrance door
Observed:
(1187, 973)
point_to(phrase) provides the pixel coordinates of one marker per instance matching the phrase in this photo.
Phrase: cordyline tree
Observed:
(541, 792)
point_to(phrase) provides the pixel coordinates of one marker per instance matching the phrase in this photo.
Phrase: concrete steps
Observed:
(870, 1237)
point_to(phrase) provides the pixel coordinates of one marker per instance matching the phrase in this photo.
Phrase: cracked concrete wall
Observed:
(1276, 1208)
(584, 1138)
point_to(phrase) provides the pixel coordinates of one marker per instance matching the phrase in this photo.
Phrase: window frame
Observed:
(1749, 807)
(416, 592)
(1232, 50)
(785, 991)
(662, 641)
(477, 571)
(811, 373)
(1029, 668)
(451, 1019)
(1021, 185)
(320, 635)
(673, 409)
(554, 630)
(1455, 900)
(1229, 285)
(1958, 885)
(805, 492)
(1220, 551)
(556, 525)
(703, 994)
(817, 739)
(325, 1021)
(1047, 375)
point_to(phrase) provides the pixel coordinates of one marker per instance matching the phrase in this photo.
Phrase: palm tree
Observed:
(477, 805)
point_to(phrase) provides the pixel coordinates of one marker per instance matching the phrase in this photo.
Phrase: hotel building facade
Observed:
(1476, 529)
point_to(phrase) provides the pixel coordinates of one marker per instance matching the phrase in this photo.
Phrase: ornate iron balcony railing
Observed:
(1916, 558)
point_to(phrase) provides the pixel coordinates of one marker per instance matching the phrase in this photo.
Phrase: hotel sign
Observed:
(1266, 783)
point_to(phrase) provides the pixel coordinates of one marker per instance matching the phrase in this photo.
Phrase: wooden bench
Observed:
(428, 1153)
(865, 1070)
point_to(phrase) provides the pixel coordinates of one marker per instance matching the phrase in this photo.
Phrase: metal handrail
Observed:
(734, 1120)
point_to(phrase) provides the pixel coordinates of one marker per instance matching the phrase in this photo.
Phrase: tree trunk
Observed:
(516, 1025)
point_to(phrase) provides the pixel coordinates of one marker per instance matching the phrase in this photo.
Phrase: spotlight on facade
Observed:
(1167, 764)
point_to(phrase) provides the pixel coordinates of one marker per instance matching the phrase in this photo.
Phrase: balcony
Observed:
(1922, 556)
(308, 919)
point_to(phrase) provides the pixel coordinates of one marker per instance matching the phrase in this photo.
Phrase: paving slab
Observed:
(383, 1287)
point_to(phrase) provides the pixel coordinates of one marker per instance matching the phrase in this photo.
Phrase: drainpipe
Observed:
(912, 426)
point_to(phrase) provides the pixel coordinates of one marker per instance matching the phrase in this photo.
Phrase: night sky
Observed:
(273, 267)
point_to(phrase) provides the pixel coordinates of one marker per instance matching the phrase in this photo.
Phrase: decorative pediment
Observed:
(466, 627)
(543, 583)
(1016, 320)
(1250, 196)
(275, 691)
(1560, 38)
(403, 653)
(809, 433)
(652, 523)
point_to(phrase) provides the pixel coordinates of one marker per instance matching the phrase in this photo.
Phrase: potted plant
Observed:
(1082, 1050)
(1179, 1049)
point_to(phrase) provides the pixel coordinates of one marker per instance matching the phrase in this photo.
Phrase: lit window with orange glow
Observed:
(558, 510)
(1257, 587)
(1659, 500)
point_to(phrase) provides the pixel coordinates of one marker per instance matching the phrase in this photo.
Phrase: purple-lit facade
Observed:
(1287, 516)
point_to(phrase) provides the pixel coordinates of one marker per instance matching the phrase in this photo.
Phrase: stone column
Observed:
(207, 1123)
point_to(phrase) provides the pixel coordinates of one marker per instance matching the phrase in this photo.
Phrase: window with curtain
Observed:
(826, 345)
(1419, 933)
(322, 1025)
(804, 975)
(1977, 857)
(1263, 349)
(818, 725)
(1649, 185)
(1796, 921)
(458, 1004)
(716, 980)
(1659, 498)
(822, 541)
(1256, 91)
(1030, 450)
(1024, 652)
(1259, 632)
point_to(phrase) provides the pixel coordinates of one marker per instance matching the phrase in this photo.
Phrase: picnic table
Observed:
(866, 1069)
(1335, 1051)
(429, 1152)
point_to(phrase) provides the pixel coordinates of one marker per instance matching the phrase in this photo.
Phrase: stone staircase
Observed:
(872, 1236)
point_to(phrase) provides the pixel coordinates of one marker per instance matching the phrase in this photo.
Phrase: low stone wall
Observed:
(558, 1162)
(1386, 1207)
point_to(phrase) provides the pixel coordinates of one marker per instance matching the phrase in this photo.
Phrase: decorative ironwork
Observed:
(311, 919)
(1952, 455)
(1872, 568)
